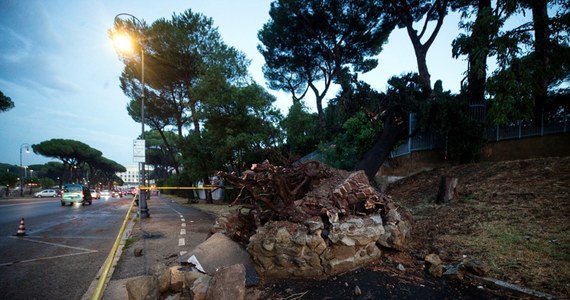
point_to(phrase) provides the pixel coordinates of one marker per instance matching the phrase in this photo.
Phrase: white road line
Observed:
(183, 252)
(182, 220)
(181, 242)
(29, 203)
(182, 231)
(45, 258)
(53, 244)
(85, 251)
(183, 225)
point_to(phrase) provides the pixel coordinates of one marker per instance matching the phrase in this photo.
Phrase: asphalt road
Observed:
(63, 249)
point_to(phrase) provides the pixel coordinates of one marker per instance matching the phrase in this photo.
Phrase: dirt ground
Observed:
(514, 216)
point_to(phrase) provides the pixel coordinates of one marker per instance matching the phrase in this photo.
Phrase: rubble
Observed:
(312, 221)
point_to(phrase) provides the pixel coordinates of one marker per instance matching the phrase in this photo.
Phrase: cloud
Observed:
(29, 46)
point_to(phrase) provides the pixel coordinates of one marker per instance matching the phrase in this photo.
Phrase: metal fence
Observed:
(422, 141)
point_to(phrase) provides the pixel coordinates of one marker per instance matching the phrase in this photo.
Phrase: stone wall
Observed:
(283, 249)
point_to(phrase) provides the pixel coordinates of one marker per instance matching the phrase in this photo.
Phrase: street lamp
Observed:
(21, 168)
(123, 43)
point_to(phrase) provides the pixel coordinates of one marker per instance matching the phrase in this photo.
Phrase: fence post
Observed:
(520, 129)
(542, 123)
(410, 116)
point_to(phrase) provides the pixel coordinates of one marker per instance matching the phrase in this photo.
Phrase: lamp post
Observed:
(21, 168)
(143, 208)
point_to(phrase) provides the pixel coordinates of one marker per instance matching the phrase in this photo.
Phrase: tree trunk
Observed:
(208, 192)
(477, 61)
(447, 188)
(439, 7)
(541, 37)
(394, 129)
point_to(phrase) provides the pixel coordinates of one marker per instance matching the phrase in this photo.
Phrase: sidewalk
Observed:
(160, 238)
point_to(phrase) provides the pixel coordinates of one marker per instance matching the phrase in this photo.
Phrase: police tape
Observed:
(209, 187)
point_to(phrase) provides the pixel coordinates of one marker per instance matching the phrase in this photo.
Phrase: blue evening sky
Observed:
(59, 68)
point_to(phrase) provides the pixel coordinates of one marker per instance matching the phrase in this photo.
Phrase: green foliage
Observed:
(71, 152)
(187, 65)
(198, 158)
(241, 126)
(5, 102)
(47, 182)
(532, 57)
(9, 179)
(162, 153)
(357, 137)
(357, 97)
(448, 116)
(309, 44)
(301, 127)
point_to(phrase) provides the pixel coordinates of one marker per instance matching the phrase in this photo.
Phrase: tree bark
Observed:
(541, 38)
(394, 129)
(447, 188)
(404, 12)
(477, 61)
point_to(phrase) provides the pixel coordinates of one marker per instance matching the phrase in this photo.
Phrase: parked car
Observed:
(95, 194)
(75, 193)
(46, 193)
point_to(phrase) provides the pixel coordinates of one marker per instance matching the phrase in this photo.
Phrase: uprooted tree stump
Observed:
(312, 220)
(447, 189)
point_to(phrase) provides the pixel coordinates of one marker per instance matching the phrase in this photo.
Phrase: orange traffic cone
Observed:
(21, 229)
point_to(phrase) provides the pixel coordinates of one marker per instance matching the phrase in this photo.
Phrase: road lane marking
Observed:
(30, 203)
(45, 258)
(85, 251)
(181, 242)
(183, 224)
(53, 244)
(182, 220)
(182, 231)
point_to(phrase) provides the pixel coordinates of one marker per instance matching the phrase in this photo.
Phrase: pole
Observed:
(143, 208)
(142, 191)
(22, 174)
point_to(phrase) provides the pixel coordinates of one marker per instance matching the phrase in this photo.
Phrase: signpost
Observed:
(139, 151)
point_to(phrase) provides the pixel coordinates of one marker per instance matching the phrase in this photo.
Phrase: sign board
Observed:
(139, 151)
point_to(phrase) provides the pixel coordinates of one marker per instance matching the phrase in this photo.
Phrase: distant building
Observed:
(132, 176)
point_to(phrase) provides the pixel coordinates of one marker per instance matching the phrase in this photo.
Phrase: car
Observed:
(105, 194)
(133, 190)
(119, 193)
(95, 194)
(76, 193)
(46, 193)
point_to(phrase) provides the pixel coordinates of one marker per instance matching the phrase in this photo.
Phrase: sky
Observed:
(59, 68)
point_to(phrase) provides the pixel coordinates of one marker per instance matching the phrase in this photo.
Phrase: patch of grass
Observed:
(129, 242)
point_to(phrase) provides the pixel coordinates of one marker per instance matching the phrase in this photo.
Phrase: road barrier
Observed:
(21, 228)
(98, 292)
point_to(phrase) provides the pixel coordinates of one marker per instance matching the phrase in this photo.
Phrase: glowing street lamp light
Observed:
(21, 168)
(124, 44)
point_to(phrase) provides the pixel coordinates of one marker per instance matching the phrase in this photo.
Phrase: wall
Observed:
(534, 147)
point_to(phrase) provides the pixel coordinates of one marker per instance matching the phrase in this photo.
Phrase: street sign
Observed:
(139, 151)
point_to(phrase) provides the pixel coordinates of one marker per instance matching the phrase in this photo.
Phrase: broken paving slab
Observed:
(220, 251)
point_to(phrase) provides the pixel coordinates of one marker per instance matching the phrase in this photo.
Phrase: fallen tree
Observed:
(311, 220)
